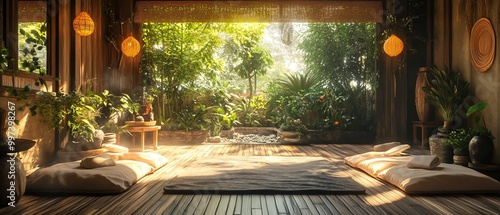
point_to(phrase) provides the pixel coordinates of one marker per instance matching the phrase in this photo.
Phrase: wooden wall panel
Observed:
(120, 73)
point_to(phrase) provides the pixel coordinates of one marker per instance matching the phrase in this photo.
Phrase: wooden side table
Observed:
(423, 135)
(142, 130)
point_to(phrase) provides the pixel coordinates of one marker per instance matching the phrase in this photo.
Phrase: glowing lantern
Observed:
(131, 47)
(393, 46)
(83, 24)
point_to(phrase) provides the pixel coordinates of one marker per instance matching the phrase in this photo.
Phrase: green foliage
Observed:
(459, 139)
(245, 55)
(183, 62)
(479, 130)
(343, 55)
(476, 108)
(4, 59)
(129, 104)
(300, 128)
(176, 56)
(483, 131)
(297, 83)
(226, 117)
(51, 107)
(446, 90)
(32, 56)
(251, 111)
(32, 47)
(296, 98)
(191, 120)
(82, 111)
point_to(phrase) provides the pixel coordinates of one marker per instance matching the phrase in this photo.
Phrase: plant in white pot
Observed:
(481, 145)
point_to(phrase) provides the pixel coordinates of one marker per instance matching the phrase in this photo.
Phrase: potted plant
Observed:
(130, 105)
(459, 140)
(111, 109)
(83, 111)
(79, 110)
(446, 91)
(481, 145)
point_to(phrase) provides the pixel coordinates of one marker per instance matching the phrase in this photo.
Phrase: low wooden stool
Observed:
(142, 130)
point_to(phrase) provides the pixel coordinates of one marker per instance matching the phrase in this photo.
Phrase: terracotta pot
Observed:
(481, 149)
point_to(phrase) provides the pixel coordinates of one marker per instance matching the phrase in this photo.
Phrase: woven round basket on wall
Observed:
(482, 45)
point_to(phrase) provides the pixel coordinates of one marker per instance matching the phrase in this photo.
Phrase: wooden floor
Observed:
(146, 197)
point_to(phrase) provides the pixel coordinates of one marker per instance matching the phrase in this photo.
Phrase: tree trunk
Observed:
(255, 85)
(250, 86)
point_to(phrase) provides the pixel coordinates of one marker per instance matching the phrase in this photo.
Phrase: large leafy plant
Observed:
(479, 130)
(80, 110)
(446, 90)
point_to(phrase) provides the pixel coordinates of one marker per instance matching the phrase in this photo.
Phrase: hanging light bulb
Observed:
(83, 24)
(393, 46)
(131, 47)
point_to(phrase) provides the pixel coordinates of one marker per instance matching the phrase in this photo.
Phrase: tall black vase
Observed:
(481, 149)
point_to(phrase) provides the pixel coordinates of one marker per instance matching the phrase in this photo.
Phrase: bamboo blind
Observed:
(32, 11)
(258, 11)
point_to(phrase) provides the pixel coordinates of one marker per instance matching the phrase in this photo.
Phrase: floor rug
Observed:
(262, 175)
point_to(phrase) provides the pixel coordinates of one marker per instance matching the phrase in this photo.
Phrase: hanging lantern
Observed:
(83, 24)
(131, 47)
(393, 46)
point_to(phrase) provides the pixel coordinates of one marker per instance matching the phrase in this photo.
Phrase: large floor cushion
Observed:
(70, 177)
(446, 178)
(375, 166)
(356, 159)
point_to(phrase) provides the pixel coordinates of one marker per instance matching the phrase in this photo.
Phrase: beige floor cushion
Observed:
(356, 159)
(153, 159)
(385, 146)
(375, 166)
(446, 178)
(69, 177)
(115, 148)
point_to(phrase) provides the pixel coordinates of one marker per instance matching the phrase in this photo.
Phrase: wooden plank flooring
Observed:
(146, 197)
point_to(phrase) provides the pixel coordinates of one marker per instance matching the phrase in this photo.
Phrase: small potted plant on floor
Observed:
(446, 90)
(481, 145)
(79, 110)
(459, 140)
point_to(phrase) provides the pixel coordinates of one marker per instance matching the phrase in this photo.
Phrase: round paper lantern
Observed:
(131, 47)
(393, 46)
(83, 24)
